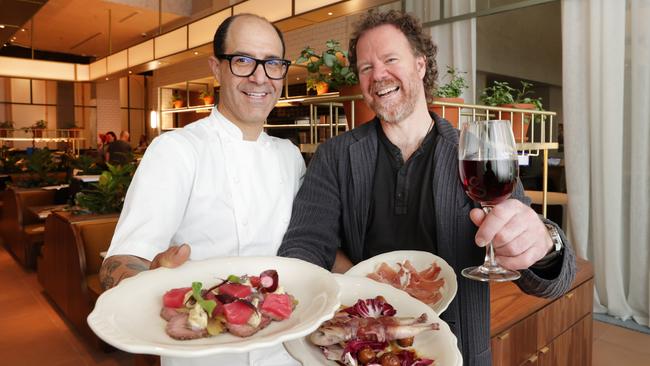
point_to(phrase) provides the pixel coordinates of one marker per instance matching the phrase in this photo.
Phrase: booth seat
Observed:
(69, 266)
(22, 232)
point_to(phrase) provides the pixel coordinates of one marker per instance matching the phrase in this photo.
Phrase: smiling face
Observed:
(389, 73)
(248, 100)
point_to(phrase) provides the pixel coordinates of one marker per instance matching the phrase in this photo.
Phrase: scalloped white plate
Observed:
(128, 316)
(439, 345)
(420, 260)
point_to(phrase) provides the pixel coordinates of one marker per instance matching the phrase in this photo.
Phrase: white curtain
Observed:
(606, 91)
(456, 41)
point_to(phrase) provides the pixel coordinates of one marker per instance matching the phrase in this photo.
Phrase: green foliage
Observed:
(334, 60)
(7, 124)
(39, 165)
(107, 195)
(502, 93)
(86, 164)
(455, 86)
(176, 96)
(40, 124)
(9, 160)
(206, 93)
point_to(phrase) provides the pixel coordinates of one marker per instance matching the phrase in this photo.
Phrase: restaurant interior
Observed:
(73, 70)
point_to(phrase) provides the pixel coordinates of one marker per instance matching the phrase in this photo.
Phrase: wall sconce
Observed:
(153, 119)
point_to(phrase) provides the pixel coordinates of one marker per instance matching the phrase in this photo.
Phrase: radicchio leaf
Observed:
(356, 345)
(371, 308)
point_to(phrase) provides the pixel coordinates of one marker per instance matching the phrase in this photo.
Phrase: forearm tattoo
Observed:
(116, 268)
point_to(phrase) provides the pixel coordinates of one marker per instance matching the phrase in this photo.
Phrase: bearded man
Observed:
(393, 184)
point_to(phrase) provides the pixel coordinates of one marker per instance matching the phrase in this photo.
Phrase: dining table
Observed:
(43, 211)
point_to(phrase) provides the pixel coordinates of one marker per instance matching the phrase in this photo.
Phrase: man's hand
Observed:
(342, 263)
(118, 267)
(519, 237)
(172, 257)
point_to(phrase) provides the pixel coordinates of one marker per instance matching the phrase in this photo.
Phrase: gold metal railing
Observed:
(538, 138)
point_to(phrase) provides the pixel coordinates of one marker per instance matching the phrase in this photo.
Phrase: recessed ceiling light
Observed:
(297, 78)
(196, 52)
(22, 29)
(130, 72)
(106, 78)
(2, 26)
(330, 13)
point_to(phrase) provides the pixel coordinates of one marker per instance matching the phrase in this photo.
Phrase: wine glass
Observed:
(488, 168)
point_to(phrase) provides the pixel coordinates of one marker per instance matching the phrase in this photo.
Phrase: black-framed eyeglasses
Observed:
(245, 66)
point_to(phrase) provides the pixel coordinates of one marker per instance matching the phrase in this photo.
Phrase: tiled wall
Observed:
(109, 117)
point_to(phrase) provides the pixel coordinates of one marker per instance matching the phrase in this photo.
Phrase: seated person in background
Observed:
(119, 152)
(393, 184)
(220, 184)
(142, 145)
(101, 141)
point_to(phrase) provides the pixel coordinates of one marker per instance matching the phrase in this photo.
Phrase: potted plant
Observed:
(5, 127)
(37, 128)
(501, 94)
(317, 84)
(107, 195)
(450, 92)
(177, 100)
(332, 67)
(207, 96)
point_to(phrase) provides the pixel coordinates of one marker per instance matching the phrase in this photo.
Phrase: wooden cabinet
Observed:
(527, 330)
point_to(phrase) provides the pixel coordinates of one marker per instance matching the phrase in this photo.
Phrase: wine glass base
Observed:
(482, 273)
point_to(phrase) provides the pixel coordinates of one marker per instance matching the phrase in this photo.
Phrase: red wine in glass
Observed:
(487, 163)
(489, 181)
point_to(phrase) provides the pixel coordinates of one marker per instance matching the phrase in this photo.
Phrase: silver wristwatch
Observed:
(555, 236)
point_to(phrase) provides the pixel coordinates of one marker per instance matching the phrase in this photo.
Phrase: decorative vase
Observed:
(362, 113)
(451, 114)
(519, 125)
(178, 103)
(209, 100)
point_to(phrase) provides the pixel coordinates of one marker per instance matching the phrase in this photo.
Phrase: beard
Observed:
(397, 109)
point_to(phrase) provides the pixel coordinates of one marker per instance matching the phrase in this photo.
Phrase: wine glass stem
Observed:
(490, 263)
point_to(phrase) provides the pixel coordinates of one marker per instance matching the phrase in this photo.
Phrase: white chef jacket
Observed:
(206, 186)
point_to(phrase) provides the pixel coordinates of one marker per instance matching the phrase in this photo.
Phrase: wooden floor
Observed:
(34, 333)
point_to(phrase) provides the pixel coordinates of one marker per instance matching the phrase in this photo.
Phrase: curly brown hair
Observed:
(410, 26)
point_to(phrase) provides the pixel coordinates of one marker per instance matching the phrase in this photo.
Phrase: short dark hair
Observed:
(112, 134)
(410, 26)
(219, 41)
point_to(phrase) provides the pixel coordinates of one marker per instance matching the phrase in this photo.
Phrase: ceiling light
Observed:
(2, 26)
(106, 78)
(297, 78)
(130, 72)
(196, 52)
(330, 13)
(22, 29)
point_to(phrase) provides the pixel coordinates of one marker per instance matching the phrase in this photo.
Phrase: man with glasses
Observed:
(221, 184)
